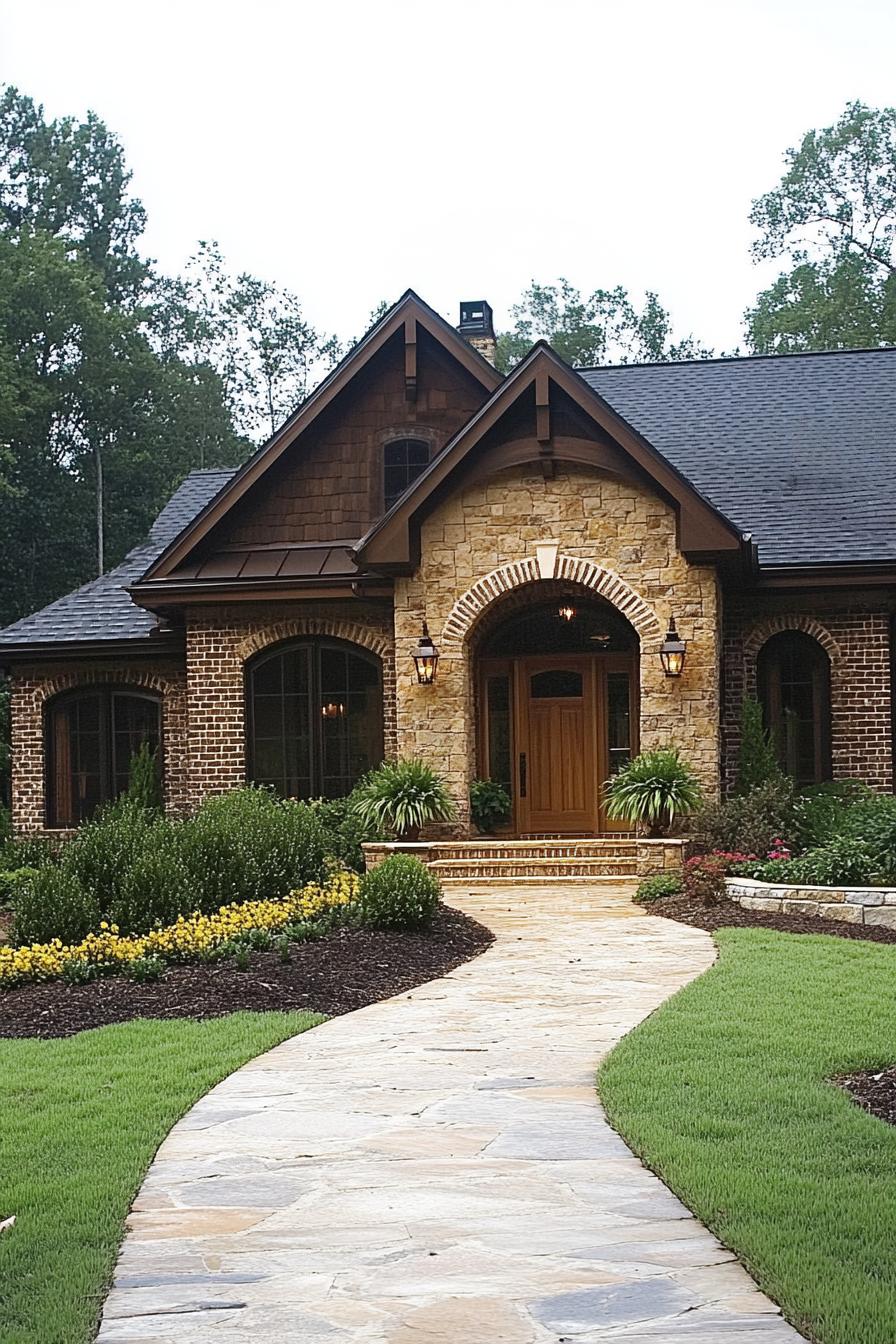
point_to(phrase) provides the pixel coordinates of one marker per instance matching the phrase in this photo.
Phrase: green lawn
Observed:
(723, 1092)
(80, 1120)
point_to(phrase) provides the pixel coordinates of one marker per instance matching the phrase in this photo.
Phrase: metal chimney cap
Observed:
(476, 318)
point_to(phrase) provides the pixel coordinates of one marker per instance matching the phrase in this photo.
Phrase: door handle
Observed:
(522, 774)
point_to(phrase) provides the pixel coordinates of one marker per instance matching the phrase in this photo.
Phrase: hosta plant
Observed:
(403, 796)
(654, 790)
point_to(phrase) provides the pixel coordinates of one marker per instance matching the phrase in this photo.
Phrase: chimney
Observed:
(477, 326)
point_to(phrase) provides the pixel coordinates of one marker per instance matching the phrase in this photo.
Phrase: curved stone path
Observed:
(435, 1169)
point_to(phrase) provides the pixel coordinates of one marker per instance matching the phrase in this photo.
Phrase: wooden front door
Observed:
(557, 735)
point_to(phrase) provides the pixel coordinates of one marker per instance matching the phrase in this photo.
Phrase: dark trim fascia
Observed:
(145, 646)
(165, 593)
(837, 575)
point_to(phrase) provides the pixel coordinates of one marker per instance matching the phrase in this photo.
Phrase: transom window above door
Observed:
(315, 712)
(403, 461)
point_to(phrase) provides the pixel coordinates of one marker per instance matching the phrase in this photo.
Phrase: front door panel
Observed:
(558, 778)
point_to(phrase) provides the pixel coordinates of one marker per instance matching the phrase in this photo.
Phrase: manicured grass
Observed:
(80, 1120)
(723, 1092)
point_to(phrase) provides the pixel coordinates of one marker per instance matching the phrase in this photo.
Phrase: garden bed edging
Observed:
(852, 905)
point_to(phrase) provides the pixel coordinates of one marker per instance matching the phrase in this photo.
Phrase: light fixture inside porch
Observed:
(426, 659)
(333, 709)
(672, 651)
(566, 611)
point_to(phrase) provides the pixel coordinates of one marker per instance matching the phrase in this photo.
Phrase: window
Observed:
(315, 719)
(794, 677)
(403, 461)
(91, 737)
(619, 720)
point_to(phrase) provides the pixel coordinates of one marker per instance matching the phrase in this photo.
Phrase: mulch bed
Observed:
(728, 914)
(344, 970)
(874, 1092)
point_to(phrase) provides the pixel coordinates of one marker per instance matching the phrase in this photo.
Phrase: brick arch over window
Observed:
(125, 677)
(467, 610)
(776, 625)
(375, 641)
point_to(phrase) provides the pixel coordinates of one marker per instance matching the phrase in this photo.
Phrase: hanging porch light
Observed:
(426, 659)
(566, 611)
(672, 651)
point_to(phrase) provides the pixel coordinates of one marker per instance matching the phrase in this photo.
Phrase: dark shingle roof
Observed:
(102, 608)
(800, 450)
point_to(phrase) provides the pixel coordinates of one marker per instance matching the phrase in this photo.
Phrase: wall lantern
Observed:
(672, 651)
(566, 611)
(426, 659)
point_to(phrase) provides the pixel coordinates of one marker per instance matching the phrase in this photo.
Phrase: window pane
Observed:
(619, 720)
(135, 720)
(403, 461)
(498, 699)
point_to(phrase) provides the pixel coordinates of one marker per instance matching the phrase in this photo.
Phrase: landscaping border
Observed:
(851, 905)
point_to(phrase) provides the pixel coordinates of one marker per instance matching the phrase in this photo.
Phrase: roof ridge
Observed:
(735, 359)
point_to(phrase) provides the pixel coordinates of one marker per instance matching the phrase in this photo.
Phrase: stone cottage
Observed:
(528, 578)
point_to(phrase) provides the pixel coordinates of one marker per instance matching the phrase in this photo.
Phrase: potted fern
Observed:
(401, 797)
(653, 790)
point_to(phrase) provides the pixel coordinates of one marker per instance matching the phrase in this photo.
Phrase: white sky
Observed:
(352, 150)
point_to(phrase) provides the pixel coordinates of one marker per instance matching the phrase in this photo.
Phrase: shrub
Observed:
(748, 823)
(400, 893)
(490, 805)
(31, 851)
(401, 797)
(653, 790)
(144, 969)
(5, 825)
(822, 811)
(12, 883)
(658, 886)
(144, 779)
(703, 878)
(54, 904)
(757, 760)
(345, 831)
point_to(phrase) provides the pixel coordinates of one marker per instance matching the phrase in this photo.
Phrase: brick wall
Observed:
(855, 631)
(221, 642)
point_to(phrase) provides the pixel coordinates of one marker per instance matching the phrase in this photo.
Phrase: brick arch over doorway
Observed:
(776, 625)
(467, 610)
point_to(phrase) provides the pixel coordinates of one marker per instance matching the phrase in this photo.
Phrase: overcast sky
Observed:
(352, 150)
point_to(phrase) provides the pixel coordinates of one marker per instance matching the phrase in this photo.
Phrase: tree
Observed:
(833, 215)
(604, 327)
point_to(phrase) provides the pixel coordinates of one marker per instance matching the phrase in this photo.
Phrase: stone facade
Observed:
(602, 533)
(855, 632)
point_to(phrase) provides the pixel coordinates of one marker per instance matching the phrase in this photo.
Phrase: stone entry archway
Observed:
(555, 698)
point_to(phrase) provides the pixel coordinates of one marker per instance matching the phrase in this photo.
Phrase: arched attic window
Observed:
(794, 680)
(91, 736)
(403, 461)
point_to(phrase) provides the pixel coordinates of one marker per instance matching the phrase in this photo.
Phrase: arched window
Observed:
(91, 736)
(315, 718)
(403, 461)
(794, 676)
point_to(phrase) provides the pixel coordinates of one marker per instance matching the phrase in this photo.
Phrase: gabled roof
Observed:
(389, 544)
(406, 314)
(102, 610)
(800, 450)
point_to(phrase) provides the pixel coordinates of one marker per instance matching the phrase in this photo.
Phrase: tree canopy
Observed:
(603, 327)
(833, 217)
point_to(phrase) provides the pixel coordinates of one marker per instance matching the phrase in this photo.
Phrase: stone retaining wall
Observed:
(853, 905)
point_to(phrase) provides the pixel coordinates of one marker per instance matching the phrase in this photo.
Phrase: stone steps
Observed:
(545, 861)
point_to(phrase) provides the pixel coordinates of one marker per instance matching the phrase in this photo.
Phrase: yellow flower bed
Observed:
(187, 940)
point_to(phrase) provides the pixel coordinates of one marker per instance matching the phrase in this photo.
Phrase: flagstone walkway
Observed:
(436, 1170)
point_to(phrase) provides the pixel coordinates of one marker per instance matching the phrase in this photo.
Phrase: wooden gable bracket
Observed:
(543, 423)
(410, 358)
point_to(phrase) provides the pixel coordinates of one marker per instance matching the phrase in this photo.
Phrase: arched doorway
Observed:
(557, 714)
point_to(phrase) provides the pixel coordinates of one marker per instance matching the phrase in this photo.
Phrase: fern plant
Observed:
(653, 790)
(403, 796)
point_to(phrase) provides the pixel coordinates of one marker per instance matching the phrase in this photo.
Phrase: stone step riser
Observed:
(457, 853)
(547, 871)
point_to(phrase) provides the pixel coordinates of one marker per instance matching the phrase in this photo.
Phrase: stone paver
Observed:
(436, 1169)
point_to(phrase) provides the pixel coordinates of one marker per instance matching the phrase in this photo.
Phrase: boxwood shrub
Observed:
(400, 893)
